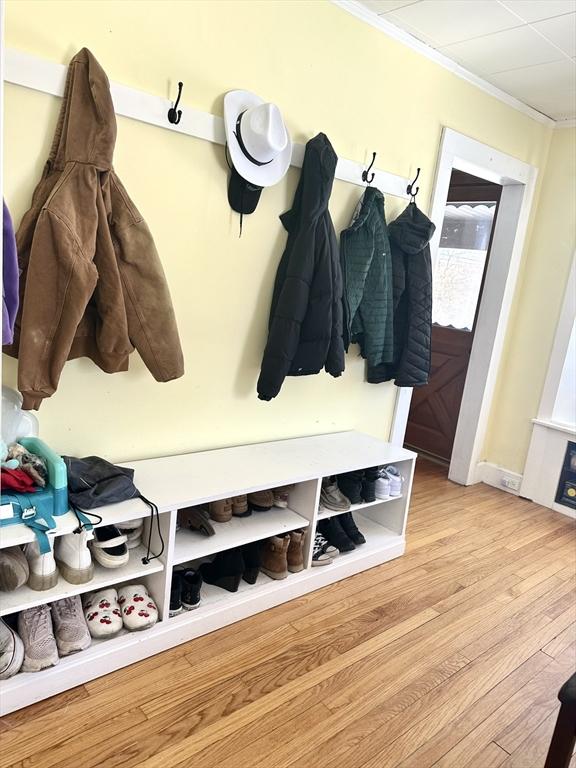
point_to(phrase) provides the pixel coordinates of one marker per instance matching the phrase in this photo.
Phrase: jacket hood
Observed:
(315, 185)
(86, 129)
(412, 230)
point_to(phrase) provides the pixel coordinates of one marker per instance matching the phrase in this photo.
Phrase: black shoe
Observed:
(225, 571)
(251, 555)
(335, 535)
(191, 582)
(350, 483)
(369, 484)
(350, 528)
(176, 606)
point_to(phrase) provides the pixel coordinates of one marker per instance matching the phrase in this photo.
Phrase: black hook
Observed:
(367, 171)
(410, 188)
(174, 114)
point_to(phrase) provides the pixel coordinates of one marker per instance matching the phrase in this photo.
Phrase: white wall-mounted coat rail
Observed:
(32, 72)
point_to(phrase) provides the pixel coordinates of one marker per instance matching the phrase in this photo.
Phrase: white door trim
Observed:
(519, 180)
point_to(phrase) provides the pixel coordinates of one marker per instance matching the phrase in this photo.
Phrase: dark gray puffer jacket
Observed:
(410, 236)
(305, 327)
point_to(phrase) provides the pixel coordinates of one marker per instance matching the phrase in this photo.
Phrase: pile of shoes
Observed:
(45, 634)
(70, 556)
(276, 557)
(224, 510)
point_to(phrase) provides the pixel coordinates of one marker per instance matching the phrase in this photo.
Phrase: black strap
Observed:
(238, 134)
(153, 513)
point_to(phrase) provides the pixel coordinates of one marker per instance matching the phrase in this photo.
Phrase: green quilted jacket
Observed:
(367, 270)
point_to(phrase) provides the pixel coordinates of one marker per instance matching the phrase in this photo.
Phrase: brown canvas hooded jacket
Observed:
(91, 284)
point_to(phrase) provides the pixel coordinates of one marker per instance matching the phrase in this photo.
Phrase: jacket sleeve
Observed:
(291, 294)
(149, 312)
(335, 359)
(60, 270)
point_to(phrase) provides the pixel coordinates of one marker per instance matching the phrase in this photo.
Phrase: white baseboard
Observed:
(499, 477)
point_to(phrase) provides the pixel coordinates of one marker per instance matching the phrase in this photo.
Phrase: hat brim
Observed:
(267, 175)
(243, 196)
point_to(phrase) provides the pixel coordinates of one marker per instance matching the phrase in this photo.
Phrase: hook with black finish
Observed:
(174, 114)
(366, 175)
(410, 188)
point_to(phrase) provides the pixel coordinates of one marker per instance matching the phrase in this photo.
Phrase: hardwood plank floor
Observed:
(450, 656)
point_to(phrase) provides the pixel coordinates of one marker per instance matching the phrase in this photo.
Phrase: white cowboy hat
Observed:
(258, 142)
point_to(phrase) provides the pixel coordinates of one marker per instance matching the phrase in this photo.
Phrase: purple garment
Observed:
(10, 278)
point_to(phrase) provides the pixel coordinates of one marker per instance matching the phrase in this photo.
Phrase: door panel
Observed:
(435, 408)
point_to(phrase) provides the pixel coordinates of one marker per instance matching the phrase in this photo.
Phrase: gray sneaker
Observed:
(35, 629)
(70, 626)
(11, 651)
(331, 497)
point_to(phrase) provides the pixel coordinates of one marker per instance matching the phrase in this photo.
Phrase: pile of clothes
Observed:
(22, 471)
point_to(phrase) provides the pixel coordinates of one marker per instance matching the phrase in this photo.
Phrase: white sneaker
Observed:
(70, 628)
(11, 651)
(382, 489)
(74, 558)
(43, 571)
(396, 480)
(35, 629)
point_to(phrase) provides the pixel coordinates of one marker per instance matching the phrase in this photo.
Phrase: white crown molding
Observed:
(565, 123)
(362, 13)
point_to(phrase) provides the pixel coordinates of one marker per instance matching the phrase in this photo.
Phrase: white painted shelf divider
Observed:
(176, 482)
(30, 71)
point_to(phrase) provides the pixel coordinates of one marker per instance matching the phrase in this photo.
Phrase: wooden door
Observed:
(435, 408)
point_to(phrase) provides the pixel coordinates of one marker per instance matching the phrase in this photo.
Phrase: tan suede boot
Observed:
(295, 555)
(221, 511)
(240, 506)
(274, 556)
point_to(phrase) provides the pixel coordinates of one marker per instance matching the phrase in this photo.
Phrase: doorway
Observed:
(462, 260)
(518, 181)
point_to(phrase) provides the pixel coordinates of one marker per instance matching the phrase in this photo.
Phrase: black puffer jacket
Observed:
(305, 327)
(410, 236)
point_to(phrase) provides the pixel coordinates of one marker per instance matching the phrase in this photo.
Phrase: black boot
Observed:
(351, 529)
(225, 571)
(191, 583)
(350, 483)
(369, 484)
(176, 606)
(251, 555)
(335, 534)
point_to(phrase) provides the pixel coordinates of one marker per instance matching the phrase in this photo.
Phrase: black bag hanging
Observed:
(94, 482)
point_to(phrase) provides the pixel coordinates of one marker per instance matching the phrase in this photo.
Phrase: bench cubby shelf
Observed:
(176, 482)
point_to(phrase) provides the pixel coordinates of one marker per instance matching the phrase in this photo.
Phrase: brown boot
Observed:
(240, 506)
(274, 556)
(295, 553)
(261, 501)
(221, 511)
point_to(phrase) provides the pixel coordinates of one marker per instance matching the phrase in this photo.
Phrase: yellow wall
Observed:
(328, 72)
(537, 307)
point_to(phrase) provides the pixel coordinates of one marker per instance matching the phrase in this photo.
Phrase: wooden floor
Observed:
(449, 656)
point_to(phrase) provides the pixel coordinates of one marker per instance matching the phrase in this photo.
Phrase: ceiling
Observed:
(527, 48)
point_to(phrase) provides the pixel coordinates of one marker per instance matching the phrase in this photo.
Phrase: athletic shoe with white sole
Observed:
(35, 629)
(382, 485)
(11, 651)
(70, 628)
(320, 555)
(73, 557)
(396, 480)
(43, 570)
(109, 547)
